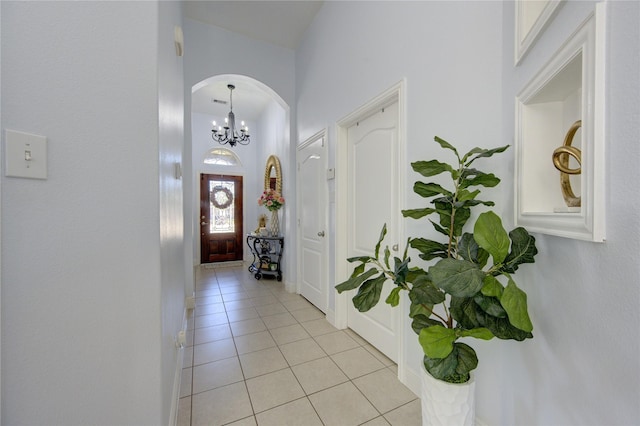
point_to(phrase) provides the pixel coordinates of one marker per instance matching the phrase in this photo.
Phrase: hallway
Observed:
(258, 355)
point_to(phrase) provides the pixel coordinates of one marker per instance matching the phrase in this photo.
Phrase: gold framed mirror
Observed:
(273, 174)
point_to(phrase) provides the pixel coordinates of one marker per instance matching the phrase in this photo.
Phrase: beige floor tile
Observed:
(187, 361)
(264, 300)
(213, 308)
(211, 334)
(211, 320)
(355, 336)
(272, 309)
(208, 299)
(378, 421)
(221, 406)
(185, 382)
(307, 314)
(407, 415)
(247, 327)
(302, 351)
(184, 411)
(357, 362)
(216, 374)
(273, 389)
(242, 314)
(330, 406)
(247, 421)
(384, 390)
(238, 304)
(279, 320)
(319, 374)
(336, 342)
(284, 296)
(288, 334)
(255, 291)
(213, 351)
(296, 304)
(231, 289)
(379, 355)
(262, 362)
(297, 413)
(318, 326)
(254, 342)
(233, 297)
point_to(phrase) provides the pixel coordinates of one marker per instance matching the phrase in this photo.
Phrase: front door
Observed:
(312, 208)
(220, 218)
(372, 202)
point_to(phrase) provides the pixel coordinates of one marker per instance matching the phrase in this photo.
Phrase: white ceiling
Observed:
(282, 23)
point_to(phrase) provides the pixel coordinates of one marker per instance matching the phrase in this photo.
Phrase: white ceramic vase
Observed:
(275, 223)
(447, 404)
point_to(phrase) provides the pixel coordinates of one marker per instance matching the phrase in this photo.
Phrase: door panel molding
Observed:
(395, 94)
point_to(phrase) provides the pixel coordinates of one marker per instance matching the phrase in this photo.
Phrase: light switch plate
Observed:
(25, 155)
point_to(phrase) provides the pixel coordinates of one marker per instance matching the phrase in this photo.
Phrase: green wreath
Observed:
(221, 197)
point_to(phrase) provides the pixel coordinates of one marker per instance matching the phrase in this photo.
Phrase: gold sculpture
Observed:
(561, 162)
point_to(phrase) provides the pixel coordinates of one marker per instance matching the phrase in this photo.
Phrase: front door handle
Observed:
(203, 223)
(321, 234)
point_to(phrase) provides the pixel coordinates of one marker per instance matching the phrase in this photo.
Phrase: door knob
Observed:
(395, 247)
(321, 234)
(203, 223)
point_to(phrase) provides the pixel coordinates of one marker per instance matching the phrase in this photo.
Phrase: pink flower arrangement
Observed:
(271, 199)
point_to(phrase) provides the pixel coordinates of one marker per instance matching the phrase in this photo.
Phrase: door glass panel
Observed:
(221, 204)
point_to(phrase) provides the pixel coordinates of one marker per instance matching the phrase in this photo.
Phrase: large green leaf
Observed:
(465, 311)
(437, 341)
(393, 298)
(478, 333)
(483, 153)
(369, 293)
(502, 328)
(421, 321)
(417, 213)
(492, 287)
(514, 302)
(491, 236)
(446, 145)
(430, 189)
(457, 277)
(456, 367)
(400, 270)
(490, 305)
(469, 250)
(523, 250)
(430, 168)
(473, 177)
(383, 232)
(426, 293)
(462, 214)
(355, 281)
(429, 249)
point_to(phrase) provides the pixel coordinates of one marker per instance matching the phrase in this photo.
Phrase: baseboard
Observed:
(177, 379)
(222, 264)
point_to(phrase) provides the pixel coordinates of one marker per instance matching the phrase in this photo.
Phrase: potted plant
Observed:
(468, 291)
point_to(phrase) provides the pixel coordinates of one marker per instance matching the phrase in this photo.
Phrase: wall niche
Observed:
(561, 110)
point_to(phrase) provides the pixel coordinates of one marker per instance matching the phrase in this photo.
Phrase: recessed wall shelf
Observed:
(568, 89)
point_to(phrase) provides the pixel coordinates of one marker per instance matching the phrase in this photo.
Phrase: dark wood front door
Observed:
(220, 218)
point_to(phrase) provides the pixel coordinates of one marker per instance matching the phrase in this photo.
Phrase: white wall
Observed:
(212, 51)
(356, 50)
(582, 365)
(457, 57)
(88, 294)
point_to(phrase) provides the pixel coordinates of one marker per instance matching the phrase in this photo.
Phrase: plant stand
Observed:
(267, 253)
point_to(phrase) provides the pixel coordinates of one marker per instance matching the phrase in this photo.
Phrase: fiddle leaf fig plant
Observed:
(468, 290)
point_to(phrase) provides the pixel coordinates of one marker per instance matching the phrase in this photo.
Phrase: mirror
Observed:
(273, 174)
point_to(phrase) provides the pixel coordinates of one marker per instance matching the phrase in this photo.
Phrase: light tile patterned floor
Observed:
(257, 355)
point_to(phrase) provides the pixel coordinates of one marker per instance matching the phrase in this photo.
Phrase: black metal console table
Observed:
(267, 253)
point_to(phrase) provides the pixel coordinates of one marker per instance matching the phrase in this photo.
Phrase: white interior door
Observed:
(312, 196)
(372, 202)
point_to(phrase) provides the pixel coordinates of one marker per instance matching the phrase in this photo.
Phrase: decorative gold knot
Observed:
(561, 162)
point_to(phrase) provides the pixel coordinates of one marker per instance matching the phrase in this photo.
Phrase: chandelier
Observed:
(228, 134)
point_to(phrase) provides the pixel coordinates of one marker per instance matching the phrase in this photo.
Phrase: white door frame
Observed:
(322, 134)
(343, 269)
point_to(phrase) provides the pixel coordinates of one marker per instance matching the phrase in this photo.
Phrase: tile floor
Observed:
(257, 355)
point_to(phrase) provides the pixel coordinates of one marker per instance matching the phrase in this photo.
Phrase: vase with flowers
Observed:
(273, 201)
